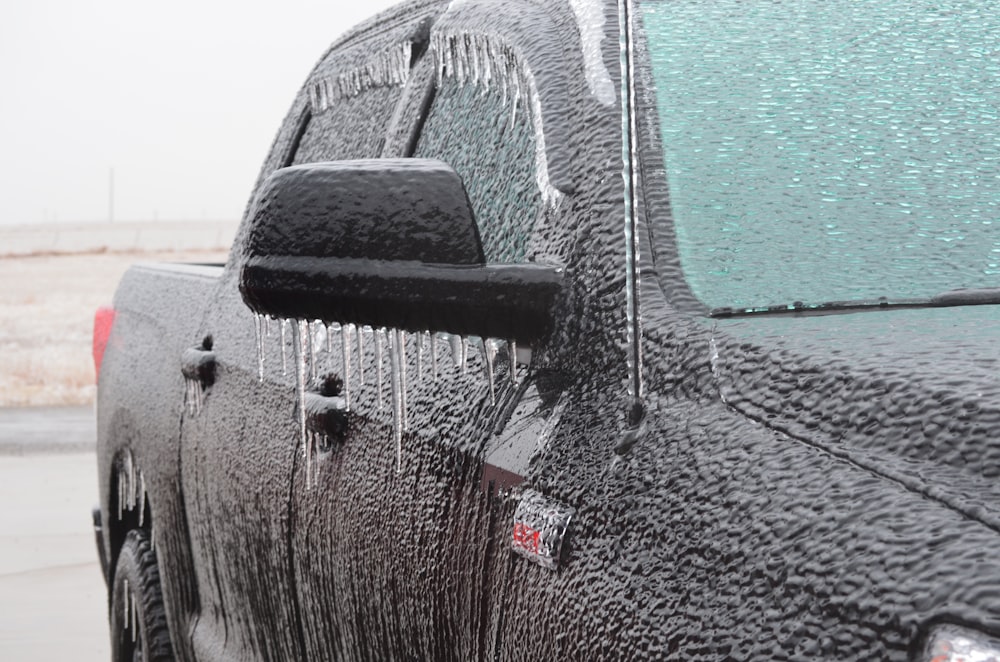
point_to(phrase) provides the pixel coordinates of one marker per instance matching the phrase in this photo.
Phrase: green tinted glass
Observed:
(819, 151)
(493, 150)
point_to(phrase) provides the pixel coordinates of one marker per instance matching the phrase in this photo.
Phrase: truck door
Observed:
(401, 541)
(242, 457)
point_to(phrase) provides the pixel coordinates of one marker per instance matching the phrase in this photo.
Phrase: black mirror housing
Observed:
(386, 243)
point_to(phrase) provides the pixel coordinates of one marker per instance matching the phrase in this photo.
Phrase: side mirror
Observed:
(386, 243)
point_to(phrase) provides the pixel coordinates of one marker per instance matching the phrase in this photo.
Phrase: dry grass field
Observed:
(47, 305)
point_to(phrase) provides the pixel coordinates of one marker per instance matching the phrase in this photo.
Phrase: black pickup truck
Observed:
(583, 330)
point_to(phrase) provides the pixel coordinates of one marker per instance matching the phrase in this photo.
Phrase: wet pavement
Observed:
(53, 605)
(32, 430)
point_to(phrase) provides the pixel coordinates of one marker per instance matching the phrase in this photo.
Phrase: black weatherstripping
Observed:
(387, 243)
(959, 297)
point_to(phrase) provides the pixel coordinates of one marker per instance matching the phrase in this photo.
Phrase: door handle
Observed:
(198, 363)
(326, 411)
(326, 415)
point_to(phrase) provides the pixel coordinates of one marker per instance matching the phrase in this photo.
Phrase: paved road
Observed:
(53, 605)
(33, 430)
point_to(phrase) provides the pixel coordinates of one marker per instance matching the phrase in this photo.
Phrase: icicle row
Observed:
(390, 68)
(131, 487)
(194, 396)
(483, 60)
(310, 338)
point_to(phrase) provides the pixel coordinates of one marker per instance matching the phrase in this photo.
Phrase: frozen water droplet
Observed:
(512, 361)
(591, 20)
(379, 339)
(361, 355)
(395, 361)
(345, 350)
(125, 601)
(267, 326)
(300, 337)
(434, 355)
(284, 356)
(318, 337)
(131, 480)
(490, 353)
(121, 494)
(420, 356)
(630, 177)
(258, 328)
(552, 423)
(403, 364)
(142, 497)
(195, 395)
(465, 354)
(390, 67)
(456, 350)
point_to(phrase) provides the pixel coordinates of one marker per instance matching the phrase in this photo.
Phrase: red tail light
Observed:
(104, 319)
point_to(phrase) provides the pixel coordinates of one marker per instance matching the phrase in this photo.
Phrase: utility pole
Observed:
(111, 194)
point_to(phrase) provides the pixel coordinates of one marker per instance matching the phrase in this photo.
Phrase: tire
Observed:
(139, 625)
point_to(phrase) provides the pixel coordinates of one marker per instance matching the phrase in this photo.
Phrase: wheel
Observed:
(138, 620)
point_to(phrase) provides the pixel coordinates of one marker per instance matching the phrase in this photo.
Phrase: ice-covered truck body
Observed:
(583, 330)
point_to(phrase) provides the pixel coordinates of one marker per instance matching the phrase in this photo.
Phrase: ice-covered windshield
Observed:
(818, 151)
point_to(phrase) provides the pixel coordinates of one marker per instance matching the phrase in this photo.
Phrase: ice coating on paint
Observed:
(486, 61)
(629, 177)
(391, 68)
(545, 436)
(590, 20)
(713, 361)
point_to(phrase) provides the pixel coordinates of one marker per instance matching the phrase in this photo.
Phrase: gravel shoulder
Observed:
(47, 305)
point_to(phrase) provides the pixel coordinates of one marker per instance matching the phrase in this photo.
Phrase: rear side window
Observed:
(349, 127)
(491, 145)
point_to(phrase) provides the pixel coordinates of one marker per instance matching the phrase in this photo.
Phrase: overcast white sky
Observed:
(181, 98)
